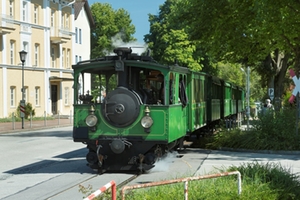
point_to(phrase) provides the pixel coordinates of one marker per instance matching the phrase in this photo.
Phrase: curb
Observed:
(260, 151)
(35, 129)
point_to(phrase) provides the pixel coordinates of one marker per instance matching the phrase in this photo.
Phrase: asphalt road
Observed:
(47, 164)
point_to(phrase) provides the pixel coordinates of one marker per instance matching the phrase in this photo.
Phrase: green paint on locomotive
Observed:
(169, 123)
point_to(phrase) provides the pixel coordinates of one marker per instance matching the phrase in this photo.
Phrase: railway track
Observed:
(89, 185)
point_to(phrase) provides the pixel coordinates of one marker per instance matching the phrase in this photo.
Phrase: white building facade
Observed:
(48, 31)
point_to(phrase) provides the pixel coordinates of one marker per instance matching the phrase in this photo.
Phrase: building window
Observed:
(36, 14)
(36, 54)
(12, 52)
(37, 96)
(80, 36)
(63, 58)
(11, 8)
(52, 17)
(67, 21)
(12, 96)
(53, 57)
(24, 11)
(68, 58)
(76, 59)
(67, 91)
(25, 48)
(62, 19)
(76, 35)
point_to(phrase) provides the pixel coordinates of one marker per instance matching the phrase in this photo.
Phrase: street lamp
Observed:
(247, 94)
(22, 102)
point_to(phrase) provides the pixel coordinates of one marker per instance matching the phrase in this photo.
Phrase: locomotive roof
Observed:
(122, 53)
(125, 55)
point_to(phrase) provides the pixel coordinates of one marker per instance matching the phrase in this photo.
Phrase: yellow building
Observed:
(55, 34)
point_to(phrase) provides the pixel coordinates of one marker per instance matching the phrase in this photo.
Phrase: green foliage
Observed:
(281, 181)
(261, 34)
(233, 73)
(112, 28)
(273, 131)
(259, 181)
(169, 41)
(28, 110)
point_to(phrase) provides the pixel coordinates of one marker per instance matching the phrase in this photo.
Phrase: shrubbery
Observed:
(28, 110)
(273, 131)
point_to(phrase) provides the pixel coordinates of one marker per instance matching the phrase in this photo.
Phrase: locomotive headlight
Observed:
(146, 121)
(91, 120)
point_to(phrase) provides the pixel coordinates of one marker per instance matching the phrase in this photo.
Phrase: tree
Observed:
(261, 34)
(111, 26)
(234, 74)
(169, 40)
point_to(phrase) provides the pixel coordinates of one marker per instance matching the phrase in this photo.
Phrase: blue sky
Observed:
(138, 10)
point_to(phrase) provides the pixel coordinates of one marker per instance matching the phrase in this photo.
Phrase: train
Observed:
(137, 110)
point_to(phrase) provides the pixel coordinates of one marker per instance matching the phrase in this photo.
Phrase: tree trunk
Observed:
(276, 64)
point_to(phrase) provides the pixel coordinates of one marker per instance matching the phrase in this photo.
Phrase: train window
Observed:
(150, 85)
(96, 90)
(79, 87)
(197, 90)
(153, 86)
(172, 95)
(105, 83)
(182, 90)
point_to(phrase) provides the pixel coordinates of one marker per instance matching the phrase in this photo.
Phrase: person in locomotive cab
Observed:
(103, 95)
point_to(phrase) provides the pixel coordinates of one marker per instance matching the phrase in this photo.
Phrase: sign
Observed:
(271, 93)
(22, 108)
(297, 84)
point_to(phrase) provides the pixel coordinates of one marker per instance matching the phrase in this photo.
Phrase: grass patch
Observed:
(259, 181)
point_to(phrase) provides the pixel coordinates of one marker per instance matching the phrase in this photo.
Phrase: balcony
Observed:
(6, 24)
(60, 35)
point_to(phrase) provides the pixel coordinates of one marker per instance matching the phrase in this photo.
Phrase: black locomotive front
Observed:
(120, 108)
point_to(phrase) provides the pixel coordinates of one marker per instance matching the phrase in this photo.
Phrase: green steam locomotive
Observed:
(139, 109)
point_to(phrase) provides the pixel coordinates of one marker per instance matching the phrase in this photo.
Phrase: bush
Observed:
(28, 110)
(272, 131)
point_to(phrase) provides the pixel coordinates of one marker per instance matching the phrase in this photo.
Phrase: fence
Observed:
(57, 120)
(111, 184)
(185, 180)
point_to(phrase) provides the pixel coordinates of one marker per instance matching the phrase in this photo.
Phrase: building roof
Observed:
(78, 7)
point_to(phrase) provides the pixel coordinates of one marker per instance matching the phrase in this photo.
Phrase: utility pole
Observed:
(22, 102)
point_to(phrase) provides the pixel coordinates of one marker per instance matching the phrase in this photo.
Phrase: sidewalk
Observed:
(223, 159)
(10, 127)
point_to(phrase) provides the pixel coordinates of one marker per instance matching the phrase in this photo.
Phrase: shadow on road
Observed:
(70, 162)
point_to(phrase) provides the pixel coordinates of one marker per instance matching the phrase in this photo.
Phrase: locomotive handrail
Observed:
(131, 187)
(111, 184)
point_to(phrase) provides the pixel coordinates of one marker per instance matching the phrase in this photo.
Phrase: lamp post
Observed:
(247, 74)
(22, 102)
